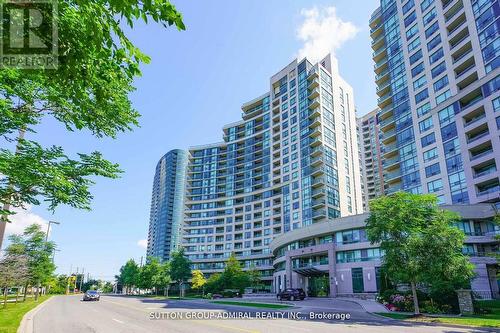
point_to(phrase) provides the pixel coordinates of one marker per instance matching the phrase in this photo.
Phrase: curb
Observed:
(26, 325)
(360, 304)
(481, 328)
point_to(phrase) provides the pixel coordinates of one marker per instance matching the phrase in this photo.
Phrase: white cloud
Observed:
(323, 32)
(22, 219)
(142, 243)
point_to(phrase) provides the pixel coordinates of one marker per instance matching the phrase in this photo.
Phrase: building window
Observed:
(431, 15)
(434, 42)
(438, 69)
(428, 139)
(432, 170)
(441, 83)
(436, 56)
(430, 154)
(425, 124)
(432, 29)
(435, 186)
(424, 109)
(421, 96)
(421, 81)
(443, 97)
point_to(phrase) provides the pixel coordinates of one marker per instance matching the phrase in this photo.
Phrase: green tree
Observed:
(215, 283)
(89, 91)
(180, 268)
(32, 244)
(420, 243)
(149, 272)
(254, 277)
(163, 279)
(198, 280)
(129, 275)
(233, 276)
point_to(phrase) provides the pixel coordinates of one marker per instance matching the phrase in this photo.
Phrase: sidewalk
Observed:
(368, 305)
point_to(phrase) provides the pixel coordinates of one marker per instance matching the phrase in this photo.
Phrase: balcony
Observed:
(318, 193)
(317, 182)
(314, 83)
(391, 162)
(383, 88)
(389, 136)
(484, 169)
(394, 188)
(318, 151)
(381, 76)
(481, 150)
(319, 214)
(318, 203)
(313, 74)
(314, 142)
(392, 176)
(315, 133)
(378, 54)
(477, 133)
(317, 171)
(315, 161)
(314, 103)
(378, 41)
(313, 93)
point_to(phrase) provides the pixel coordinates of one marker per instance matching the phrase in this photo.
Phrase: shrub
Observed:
(402, 302)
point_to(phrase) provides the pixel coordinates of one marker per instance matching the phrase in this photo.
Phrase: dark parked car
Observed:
(292, 294)
(91, 295)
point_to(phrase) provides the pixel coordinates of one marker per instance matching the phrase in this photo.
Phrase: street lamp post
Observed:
(48, 229)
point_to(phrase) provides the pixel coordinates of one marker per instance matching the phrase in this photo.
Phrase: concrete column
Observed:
(465, 301)
(288, 271)
(332, 273)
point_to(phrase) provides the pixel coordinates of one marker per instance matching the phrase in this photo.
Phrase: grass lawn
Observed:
(10, 317)
(254, 305)
(484, 320)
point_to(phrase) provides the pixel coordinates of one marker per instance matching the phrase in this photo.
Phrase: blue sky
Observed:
(195, 84)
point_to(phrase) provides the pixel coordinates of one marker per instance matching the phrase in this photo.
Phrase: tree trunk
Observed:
(25, 291)
(37, 290)
(5, 297)
(17, 294)
(415, 299)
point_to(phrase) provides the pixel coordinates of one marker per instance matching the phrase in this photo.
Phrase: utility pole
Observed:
(6, 206)
(81, 280)
(141, 262)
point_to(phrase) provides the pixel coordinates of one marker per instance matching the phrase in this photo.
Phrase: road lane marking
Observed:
(118, 321)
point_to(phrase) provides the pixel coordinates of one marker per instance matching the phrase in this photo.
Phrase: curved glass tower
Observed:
(167, 204)
(290, 162)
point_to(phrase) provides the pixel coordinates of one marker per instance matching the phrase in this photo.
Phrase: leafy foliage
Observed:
(180, 267)
(38, 252)
(88, 91)
(198, 280)
(129, 274)
(420, 243)
(233, 277)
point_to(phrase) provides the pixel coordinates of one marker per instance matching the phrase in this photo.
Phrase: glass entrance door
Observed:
(357, 280)
(319, 286)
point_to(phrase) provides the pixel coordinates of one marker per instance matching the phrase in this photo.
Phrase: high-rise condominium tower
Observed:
(371, 163)
(290, 162)
(167, 204)
(437, 75)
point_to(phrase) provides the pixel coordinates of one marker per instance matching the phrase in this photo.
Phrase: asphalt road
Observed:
(64, 314)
